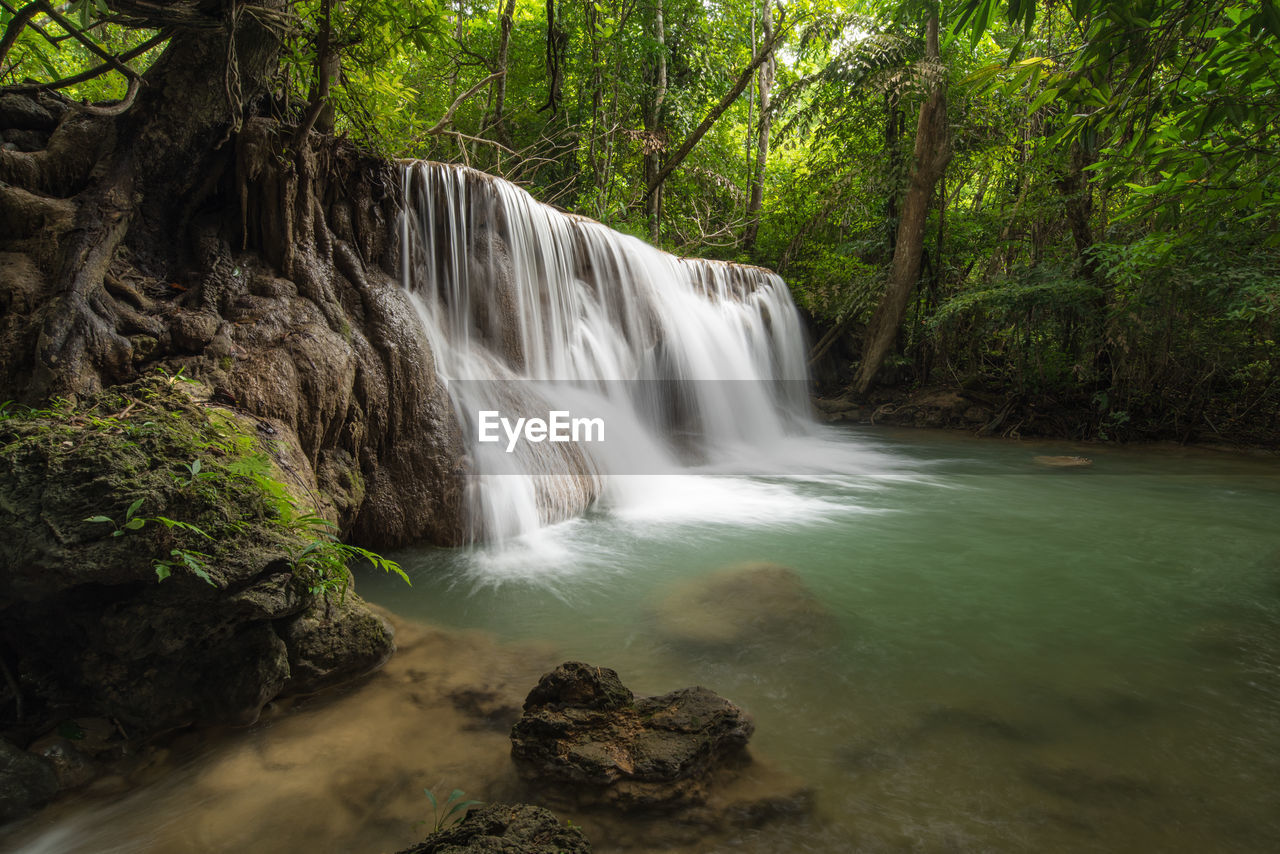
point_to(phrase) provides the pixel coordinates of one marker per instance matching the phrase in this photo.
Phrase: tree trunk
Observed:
(652, 125)
(1079, 206)
(892, 133)
(592, 15)
(557, 45)
(158, 170)
(500, 132)
(932, 153)
(762, 143)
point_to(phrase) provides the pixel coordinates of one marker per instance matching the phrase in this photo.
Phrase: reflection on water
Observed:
(987, 654)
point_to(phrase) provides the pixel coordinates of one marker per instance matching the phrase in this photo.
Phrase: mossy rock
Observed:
(145, 563)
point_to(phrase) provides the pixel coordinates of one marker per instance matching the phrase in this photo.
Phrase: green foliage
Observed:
(225, 490)
(1108, 222)
(323, 561)
(196, 562)
(130, 521)
(452, 810)
(1178, 99)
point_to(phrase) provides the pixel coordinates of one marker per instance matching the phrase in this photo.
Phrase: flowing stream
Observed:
(1015, 657)
(968, 650)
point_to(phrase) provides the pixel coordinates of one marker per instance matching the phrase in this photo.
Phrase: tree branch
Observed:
(16, 23)
(766, 49)
(93, 47)
(96, 71)
(135, 83)
(439, 127)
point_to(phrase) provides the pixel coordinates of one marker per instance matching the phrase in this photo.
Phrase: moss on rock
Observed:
(146, 563)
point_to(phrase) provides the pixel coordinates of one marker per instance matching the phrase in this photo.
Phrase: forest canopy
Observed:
(1072, 201)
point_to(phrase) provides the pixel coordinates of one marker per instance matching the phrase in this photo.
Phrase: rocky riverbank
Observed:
(164, 563)
(1013, 416)
(347, 769)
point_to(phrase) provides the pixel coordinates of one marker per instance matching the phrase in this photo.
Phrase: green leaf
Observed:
(134, 524)
(1270, 15)
(133, 508)
(106, 519)
(1043, 98)
(162, 571)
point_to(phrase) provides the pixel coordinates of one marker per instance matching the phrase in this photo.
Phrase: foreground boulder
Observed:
(154, 571)
(26, 782)
(585, 734)
(505, 829)
(655, 770)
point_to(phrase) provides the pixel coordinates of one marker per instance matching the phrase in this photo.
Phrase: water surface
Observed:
(1024, 657)
(996, 656)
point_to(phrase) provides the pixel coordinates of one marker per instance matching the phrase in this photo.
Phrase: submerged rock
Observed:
(1062, 461)
(741, 604)
(505, 829)
(26, 782)
(979, 722)
(1087, 785)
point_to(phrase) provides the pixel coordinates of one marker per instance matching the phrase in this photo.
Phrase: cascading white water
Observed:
(526, 306)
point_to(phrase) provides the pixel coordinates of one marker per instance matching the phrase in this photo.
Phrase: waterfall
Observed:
(689, 363)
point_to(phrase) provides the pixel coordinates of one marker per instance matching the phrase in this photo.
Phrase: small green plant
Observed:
(194, 473)
(324, 562)
(172, 379)
(193, 560)
(450, 811)
(131, 522)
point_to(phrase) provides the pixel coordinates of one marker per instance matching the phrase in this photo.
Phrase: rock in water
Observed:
(1062, 462)
(735, 606)
(505, 829)
(26, 782)
(584, 735)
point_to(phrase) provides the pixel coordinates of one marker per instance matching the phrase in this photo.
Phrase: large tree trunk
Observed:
(500, 132)
(932, 153)
(653, 125)
(158, 171)
(765, 84)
